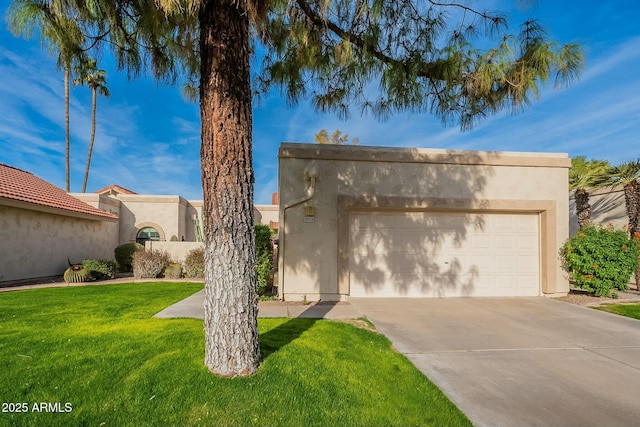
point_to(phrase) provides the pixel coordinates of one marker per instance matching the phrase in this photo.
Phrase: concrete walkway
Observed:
(193, 307)
(520, 362)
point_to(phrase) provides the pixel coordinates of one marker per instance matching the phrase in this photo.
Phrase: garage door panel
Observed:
(480, 242)
(418, 254)
(505, 263)
(503, 242)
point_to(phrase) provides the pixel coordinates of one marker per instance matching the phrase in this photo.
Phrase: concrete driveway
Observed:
(519, 362)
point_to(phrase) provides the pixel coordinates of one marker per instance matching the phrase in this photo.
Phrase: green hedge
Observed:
(124, 256)
(599, 259)
(100, 269)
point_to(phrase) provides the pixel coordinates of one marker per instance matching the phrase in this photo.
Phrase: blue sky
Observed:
(147, 137)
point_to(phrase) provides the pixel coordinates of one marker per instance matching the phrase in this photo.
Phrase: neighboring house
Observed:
(145, 218)
(169, 223)
(41, 227)
(398, 222)
(352, 221)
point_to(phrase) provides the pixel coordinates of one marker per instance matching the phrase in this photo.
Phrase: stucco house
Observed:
(41, 226)
(399, 222)
(353, 222)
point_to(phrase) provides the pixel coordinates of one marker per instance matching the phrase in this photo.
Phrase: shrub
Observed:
(263, 239)
(263, 270)
(194, 264)
(173, 271)
(264, 258)
(599, 259)
(124, 256)
(100, 269)
(149, 264)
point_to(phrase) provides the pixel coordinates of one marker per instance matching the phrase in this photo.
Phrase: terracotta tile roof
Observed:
(113, 188)
(21, 186)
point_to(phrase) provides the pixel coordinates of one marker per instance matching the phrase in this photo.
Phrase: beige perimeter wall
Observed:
(331, 182)
(38, 244)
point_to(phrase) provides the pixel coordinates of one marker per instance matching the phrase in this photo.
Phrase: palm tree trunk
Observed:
(67, 130)
(583, 207)
(632, 204)
(94, 103)
(230, 306)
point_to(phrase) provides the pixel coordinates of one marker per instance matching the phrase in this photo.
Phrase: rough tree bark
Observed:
(231, 302)
(632, 204)
(583, 208)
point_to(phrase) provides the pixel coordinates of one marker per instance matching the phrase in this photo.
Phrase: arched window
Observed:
(147, 233)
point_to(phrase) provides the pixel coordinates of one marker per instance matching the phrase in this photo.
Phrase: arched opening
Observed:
(147, 233)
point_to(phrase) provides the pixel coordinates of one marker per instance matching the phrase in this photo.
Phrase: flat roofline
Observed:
(422, 155)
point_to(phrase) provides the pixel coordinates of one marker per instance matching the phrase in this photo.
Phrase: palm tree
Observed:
(585, 174)
(61, 35)
(627, 175)
(96, 80)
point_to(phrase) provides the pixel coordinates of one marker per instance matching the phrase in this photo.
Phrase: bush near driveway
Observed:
(599, 259)
(99, 349)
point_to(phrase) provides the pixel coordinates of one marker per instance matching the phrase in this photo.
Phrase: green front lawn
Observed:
(629, 310)
(95, 356)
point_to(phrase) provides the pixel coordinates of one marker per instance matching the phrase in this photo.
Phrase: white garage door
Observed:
(443, 254)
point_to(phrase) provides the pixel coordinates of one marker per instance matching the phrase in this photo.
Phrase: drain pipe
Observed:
(313, 178)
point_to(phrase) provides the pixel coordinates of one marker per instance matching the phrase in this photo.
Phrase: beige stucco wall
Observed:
(314, 256)
(172, 216)
(607, 207)
(37, 244)
(160, 212)
(266, 214)
(177, 250)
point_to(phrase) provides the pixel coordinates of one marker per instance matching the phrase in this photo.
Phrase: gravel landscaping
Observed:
(579, 297)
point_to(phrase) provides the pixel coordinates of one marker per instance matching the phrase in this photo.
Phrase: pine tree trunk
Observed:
(231, 302)
(583, 207)
(94, 98)
(67, 173)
